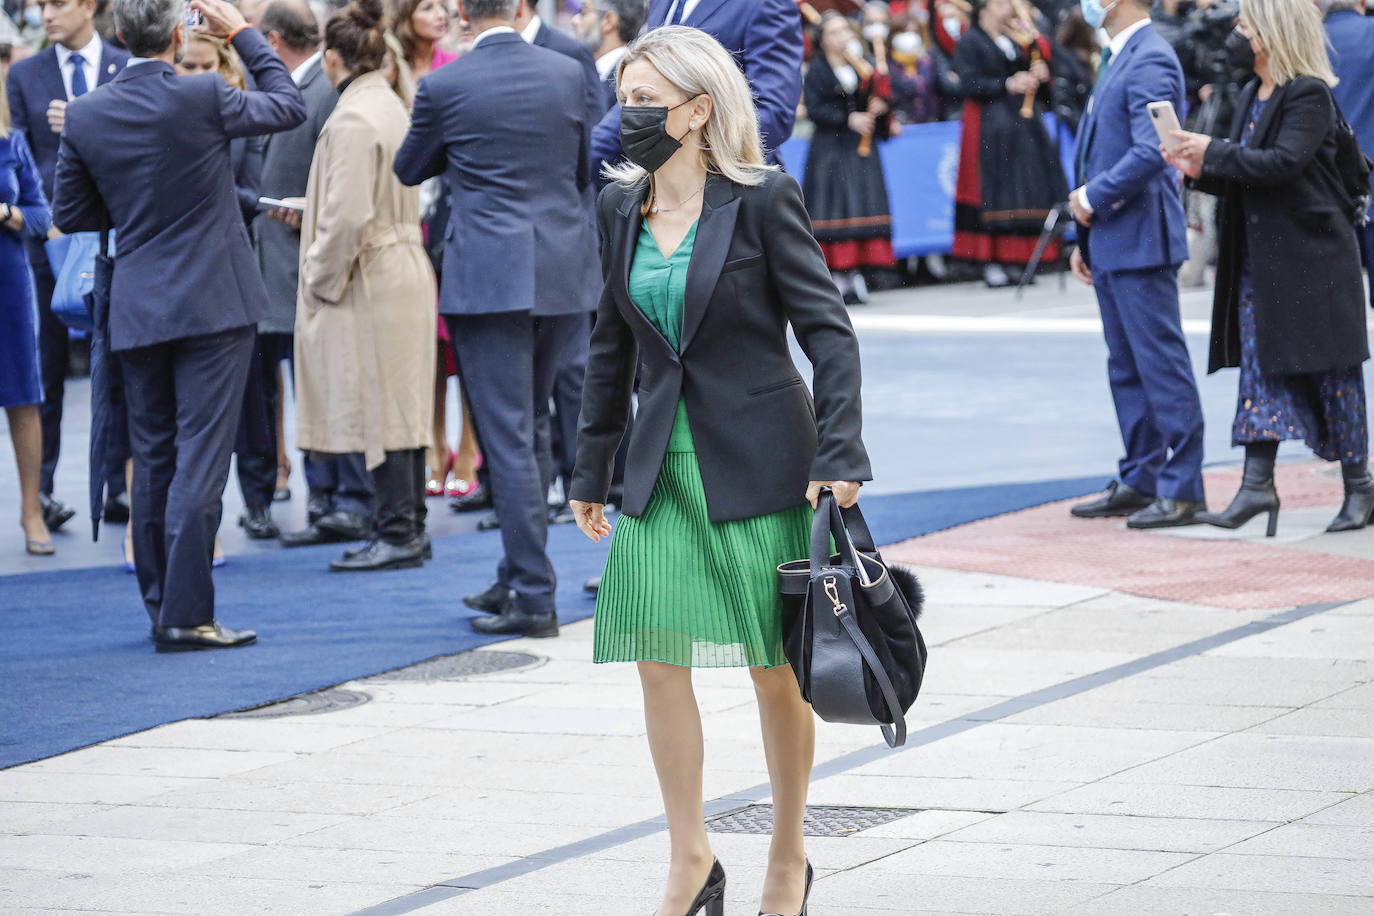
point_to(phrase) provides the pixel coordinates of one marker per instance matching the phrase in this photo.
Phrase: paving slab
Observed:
(1101, 831)
(1206, 802)
(1027, 862)
(290, 736)
(1353, 812)
(296, 796)
(1322, 841)
(1266, 761)
(108, 856)
(26, 817)
(1274, 874)
(193, 825)
(1342, 723)
(1152, 900)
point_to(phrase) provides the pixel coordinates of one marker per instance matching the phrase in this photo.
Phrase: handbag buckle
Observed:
(832, 592)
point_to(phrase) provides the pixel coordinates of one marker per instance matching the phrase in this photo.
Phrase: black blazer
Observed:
(759, 437)
(1281, 199)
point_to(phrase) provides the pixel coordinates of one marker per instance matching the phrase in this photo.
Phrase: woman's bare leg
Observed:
(465, 465)
(26, 434)
(789, 745)
(675, 740)
(436, 458)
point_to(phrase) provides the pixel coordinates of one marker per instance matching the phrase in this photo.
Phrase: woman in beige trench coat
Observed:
(365, 317)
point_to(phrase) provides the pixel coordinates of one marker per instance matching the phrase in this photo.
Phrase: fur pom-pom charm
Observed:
(904, 578)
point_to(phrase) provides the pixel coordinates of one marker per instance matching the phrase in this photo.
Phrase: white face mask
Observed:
(907, 43)
(854, 48)
(954, 27)
(875, 30)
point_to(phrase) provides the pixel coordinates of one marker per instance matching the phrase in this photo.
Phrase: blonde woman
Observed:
(1289, 303)
(709, 256)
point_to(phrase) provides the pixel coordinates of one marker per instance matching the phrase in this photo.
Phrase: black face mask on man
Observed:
(1239, 54)
(644, 135)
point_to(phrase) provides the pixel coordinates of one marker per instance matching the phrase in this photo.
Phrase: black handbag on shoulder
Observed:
(849, 626)
(1354, 169)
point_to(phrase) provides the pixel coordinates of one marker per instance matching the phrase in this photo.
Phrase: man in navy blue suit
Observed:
(148, 155)
(504, 124)
(39, 89)
(606, 28)
(1352, 57)
(1129, 203)
(765, 36)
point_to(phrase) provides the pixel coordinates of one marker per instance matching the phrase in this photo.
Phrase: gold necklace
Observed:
(657, 209)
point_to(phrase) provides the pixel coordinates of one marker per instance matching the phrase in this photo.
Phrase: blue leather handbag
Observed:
(73, 267)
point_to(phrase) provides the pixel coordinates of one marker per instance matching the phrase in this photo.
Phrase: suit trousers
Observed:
(53, 355)
(184, 398)
(507, 362)
(1151, 375)
(255, 446)
(567, 396)
(400, 485)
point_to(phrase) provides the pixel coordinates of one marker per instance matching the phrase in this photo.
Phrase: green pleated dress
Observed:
(679, 588)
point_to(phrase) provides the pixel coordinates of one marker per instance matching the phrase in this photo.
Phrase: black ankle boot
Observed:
(1257, 494)
(1358, 509)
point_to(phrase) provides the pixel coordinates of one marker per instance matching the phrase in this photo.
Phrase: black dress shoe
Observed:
(317, 506)
(380, 555)
(561, 515)
(206, 636)
(426, 549)
(478, 499)
(592, 585)
(349, 526)
(489, 522)
(55, 513)
(1168, 513)
(257, 522)
(514, 620)
(1117, 500)
(116, 509)
(491, 600)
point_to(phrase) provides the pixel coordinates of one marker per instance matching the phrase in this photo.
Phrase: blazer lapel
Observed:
(720, 206)
(52, 76)
(108, 68)
(1266, 119)
(702, 12)
(630, 225)
(1242, 112)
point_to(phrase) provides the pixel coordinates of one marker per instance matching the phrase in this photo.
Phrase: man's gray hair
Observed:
(146, 26)
(631, 14)
(503, 10)
(1335, 6)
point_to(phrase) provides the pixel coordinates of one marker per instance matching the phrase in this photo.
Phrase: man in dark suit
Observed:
(149, 156)
(504, 125)
(340, 501)
(1129, 198)
(1352, 57)
(765, 36)
(606, 28)
(39, 89)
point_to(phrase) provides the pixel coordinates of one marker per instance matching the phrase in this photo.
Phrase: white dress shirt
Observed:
(89, 54)
(298, 74)
(495, 30)
(1116, 46)
(688, 8)
(531, 29)
(606, 63)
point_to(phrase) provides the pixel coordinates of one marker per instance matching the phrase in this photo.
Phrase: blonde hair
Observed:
(4, 104)
(696, 64)
(229, 66)
(1292, 34)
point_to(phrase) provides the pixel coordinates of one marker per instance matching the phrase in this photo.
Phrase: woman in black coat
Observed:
(709, 258)
(1289, 300)
(845, 191)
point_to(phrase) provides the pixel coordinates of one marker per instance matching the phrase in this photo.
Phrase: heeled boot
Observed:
(1358, 509)
(1257, 494)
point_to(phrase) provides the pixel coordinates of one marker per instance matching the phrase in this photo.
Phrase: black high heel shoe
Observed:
(805, 897)
(1256, 495)
(711, 898)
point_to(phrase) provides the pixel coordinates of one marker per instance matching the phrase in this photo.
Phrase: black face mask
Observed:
(644, 135)
(1239, 54)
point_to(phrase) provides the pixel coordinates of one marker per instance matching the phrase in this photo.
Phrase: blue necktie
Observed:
(79, 87)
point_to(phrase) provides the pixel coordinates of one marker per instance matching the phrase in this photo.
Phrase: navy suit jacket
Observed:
(1352, 57)
(149, 155)
(765, 36)
(503, 125)
(32, 85)
(1138, 220)
(568, 46)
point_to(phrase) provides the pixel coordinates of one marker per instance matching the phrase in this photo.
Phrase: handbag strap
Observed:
(895, 734)
(828, 522)
(858, 529)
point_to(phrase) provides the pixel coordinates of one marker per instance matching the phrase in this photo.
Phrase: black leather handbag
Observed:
(851, 635)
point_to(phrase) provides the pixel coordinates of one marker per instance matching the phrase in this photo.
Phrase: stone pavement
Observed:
(1076, 750)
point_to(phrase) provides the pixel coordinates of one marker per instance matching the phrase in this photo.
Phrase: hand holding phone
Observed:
(1165, 120)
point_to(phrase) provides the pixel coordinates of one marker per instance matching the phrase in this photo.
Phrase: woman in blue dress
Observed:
(23, 213)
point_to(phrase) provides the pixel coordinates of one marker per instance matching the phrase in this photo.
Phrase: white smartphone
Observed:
(1165, 120)
(289, 203)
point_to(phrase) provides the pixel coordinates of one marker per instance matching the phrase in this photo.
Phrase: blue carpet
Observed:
(76, 667)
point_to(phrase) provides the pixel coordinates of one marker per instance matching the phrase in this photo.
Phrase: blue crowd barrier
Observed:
(921, 169)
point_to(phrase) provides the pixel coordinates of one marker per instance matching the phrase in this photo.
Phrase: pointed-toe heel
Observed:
(710, 901)
(1257, 495)
(806, 896)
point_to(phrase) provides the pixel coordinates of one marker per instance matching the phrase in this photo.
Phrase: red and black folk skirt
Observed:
(847, 200)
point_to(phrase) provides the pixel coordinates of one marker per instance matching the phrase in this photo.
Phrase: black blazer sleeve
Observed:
(824, 105)
(796, 268)
(1306, 119)
(981, 76)
(609, 384)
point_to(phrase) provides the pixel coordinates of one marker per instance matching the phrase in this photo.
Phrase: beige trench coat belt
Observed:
(395, 235)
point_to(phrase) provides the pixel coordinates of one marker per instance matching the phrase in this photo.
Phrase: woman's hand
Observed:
(1187, 152)
(591, 518)
(292, 218)
(861, 122)
(846, 492)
